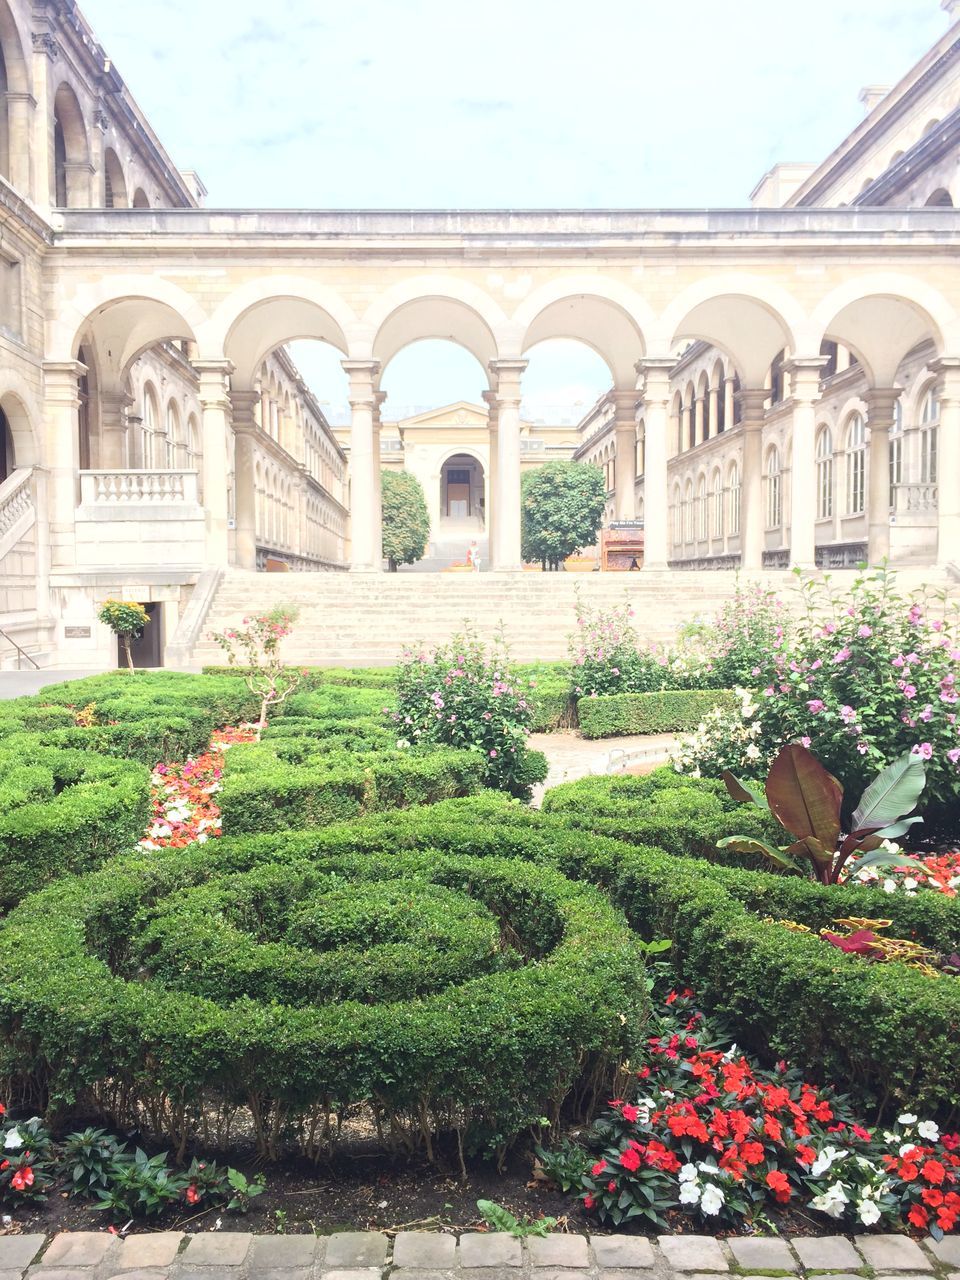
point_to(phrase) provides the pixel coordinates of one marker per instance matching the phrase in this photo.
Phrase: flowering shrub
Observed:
(714, 1135)
(126, 620)
(745, 634)
(256, 649)
(182, 794)
(463, 695)
(24, 1158)
(868, 676)
(937, 871)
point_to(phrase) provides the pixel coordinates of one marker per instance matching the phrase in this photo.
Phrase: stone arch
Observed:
(604, 315)
(140, 199)
(14, 78)
(71, 151)
(881, 318)
(114, 183)
(421, 310)
(125, 315)
(939, 199)
(747, 318)
(23, 415)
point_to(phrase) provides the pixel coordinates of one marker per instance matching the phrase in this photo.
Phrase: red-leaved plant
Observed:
(807, 801)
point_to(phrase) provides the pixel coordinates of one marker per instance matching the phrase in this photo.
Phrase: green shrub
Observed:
(550, 695)
(170, 991)
(62, 811)
(669, 711)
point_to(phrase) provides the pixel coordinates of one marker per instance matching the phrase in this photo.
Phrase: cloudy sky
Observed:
(508, 103)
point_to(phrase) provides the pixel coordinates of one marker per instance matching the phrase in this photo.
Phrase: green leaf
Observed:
(803, 796)
(893, 793)
(883, 858)
(744, 791)
(749, 844)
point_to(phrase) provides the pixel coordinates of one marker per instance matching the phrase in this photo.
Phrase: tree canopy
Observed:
(562, 507)
(406, 521)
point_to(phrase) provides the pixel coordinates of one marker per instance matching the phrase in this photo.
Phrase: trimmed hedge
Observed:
(883, 1031)
(292, 783)
(99, 1007)
(670, 711)
(63, 811)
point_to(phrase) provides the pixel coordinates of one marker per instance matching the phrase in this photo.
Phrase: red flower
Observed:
(22, 1179)
(630, 1159)
(934, 1172)
(588, 1202)
(908, 1171)
(771, 1127)
(950, 1141)
(3, 1109)
(4, 1165)
(193, 1195)
(806, 1155)
(629, 1113)
(918, 1216)
(752, 1152)
(932, 1197)
(779, 1184)
(611, 1185)
(671, 998)
(598, 1168)
(860, 1133)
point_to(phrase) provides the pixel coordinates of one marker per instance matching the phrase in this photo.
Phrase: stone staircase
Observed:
(366, 620)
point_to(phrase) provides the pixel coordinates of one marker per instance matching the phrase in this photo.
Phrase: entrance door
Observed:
(458, 493)
(147, 647)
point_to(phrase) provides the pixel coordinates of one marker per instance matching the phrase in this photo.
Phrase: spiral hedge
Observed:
(420, 991)
(885, 1032)
(62, 811)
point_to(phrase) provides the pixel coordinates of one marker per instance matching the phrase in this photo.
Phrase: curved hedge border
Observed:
(885, 1032)
(486, 1057)
(63, 811)
(667, 711)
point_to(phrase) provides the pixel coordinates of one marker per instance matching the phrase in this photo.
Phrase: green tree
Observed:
(126, 620)
(406, 521)
(562, 506)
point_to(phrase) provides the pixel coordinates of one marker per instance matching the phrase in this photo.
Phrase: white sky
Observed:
(508, 103)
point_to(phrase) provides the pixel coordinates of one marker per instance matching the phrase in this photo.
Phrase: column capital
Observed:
(61, 380)
(625, 407)
(214, 378)
(881, 401)
(363, 375)
(805, 375)
(508, 374)
(948, 367)
(656, 372)
(243, 404)
(752, 401)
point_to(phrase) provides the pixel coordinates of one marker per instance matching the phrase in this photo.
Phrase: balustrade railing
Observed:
(16, 501)
(122, 488)
(914, 498)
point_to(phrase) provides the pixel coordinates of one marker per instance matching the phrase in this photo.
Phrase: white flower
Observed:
(889, 886)
(689, 1193)
(711, 1201)
(14, 1140)
(827, 1157)
(731, 1053)
(928, 1130)
(910, 883)
(906, 1119)
(868, 1212)
(906, 1148)
(753, 752)
(832, 1202)
(688, 1173)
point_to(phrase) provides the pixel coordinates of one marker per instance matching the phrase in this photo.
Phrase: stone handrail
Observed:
(17, 508)
(910, 498)
(119, 488)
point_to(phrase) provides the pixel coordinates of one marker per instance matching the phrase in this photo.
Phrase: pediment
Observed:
(461, 414)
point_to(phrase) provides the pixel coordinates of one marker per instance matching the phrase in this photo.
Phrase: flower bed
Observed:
(185, 989)
(184, 809)
(63, 810)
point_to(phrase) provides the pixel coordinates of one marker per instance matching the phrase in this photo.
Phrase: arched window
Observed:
(717, 504)
(774, 489)
(824, 473)
(778, 379)
(677, 517)
(677, 414)
(114, 183)
(173, 442)
(940, 199)
(690, 406)
(929, 427)
(70, 150)
(193, 443)
(151, 425)
(896, 454)
(688, 512)
(702, 521)
(733, 490)
(856, 465)
(140, 199)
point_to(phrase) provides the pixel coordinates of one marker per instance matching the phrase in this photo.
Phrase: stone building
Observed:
(785, 379)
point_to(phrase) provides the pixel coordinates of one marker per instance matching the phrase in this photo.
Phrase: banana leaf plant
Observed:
(807, 800)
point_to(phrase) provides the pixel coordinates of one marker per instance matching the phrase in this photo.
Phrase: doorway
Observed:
(146, 647)
(461, 491)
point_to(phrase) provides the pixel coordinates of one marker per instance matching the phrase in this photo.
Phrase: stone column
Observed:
(948, 461)
(61, 455)
(214, 378)
(728, 406)
(45, 50)
(805, 374)
(378, 397)
(506, 554)
(686, 412)
(490, 399)
(656, 397)
(625, 466)
(714, 414)
(699, 432)
(243, 406)
(752, 522)
(881, 407)
(366, 536)
(114, 452)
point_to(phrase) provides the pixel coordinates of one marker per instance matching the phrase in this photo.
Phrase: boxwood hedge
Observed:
(668, 711)
(62, 811)
(173, 991)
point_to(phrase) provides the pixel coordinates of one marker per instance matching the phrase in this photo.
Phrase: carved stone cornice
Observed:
(46, 42)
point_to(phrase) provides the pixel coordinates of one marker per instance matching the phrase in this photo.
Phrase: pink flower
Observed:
(909, 691)
(863, 631)
(924, 750)
(815, 705)
(805, 742)
(848, 715)
(954, 755)
(897, 661)
(841, 655)
(493, 754)
(926, 714)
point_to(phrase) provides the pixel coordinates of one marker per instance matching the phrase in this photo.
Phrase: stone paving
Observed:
(370, 1255)
(571, 757)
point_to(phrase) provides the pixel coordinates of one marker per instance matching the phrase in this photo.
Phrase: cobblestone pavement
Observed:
(169, 1255)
